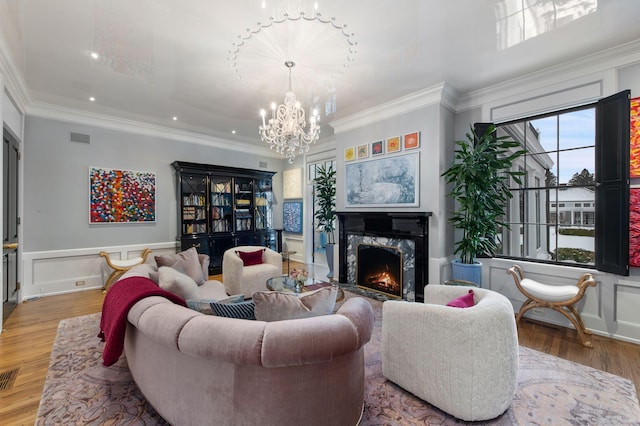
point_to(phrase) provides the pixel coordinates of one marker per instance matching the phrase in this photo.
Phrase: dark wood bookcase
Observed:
(220, 207)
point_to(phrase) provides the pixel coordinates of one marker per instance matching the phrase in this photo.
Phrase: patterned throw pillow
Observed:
(242, 310)
(204, 305)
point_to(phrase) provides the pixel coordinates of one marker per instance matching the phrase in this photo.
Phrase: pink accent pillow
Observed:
(464, 301)
(251, 257)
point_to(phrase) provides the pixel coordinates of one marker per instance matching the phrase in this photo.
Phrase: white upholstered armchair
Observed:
(241, 279)
(461, 360)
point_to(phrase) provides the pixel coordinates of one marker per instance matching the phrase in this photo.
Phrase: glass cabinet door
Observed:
(263, 203)
(244, 204)
(194, 204)
(221, 205)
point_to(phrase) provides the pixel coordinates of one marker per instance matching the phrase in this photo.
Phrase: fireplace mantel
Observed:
(405, 225)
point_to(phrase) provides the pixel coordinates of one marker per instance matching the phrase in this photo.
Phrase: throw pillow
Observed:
(277, 306)
(178, 283)
(204, 305)
(464, 301)
(251, 257)
(187, 260)
(242, 310)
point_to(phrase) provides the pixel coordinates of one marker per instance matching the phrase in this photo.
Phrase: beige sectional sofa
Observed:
(197, 369)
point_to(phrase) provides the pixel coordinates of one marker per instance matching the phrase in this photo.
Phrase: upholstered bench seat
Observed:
(550, 293)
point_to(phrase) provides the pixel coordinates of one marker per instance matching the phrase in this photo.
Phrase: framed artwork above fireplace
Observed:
(383, 182)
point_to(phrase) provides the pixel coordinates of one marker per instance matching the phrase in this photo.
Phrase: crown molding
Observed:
(439, 94)
(54, 112)
(13, 83)
(603, 61)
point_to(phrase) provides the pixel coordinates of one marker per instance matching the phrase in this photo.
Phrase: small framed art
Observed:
(363, 151)
(349, 154)
(393, 144)
(377, 148)
(292, 216)
(412, 140)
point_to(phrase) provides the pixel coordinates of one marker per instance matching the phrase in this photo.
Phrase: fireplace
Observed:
(385, 251)
(379, 268)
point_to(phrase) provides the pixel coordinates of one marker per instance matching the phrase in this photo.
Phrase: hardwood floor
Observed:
(27, 338)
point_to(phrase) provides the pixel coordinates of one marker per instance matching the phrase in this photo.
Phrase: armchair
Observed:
(240, 279)
(462, 360)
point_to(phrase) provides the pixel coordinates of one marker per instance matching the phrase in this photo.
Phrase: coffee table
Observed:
(286, 284)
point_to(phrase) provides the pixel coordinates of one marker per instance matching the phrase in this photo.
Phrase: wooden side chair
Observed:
(121, 266)
(558, 298)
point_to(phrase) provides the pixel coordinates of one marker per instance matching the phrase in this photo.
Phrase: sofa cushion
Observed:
(177, 283)
(251, 257)
(241, 310)
(464, 301)
(204, 305)
(187, 260)
(277, 306)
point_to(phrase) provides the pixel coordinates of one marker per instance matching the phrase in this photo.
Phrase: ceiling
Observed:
(214, 64)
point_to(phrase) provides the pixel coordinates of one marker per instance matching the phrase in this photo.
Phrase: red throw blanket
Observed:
(119, 299)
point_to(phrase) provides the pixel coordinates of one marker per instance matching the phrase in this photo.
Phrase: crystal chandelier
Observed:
(285, 129)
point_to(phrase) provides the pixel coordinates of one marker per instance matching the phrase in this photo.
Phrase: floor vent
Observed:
(7, 378)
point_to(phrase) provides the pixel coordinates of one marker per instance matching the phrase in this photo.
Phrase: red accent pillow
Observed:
(251, 257)
(464, 301)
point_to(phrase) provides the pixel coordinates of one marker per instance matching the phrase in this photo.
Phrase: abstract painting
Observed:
(634, 143)
(393, 144)
(120, 196)
(411, 140)
(377, 148)
(292, 216)
(388, 181)
(349, 154)
(292, 183)
(634, 227)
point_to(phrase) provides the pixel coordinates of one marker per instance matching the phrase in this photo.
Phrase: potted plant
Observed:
(325, 190)
(480, 175)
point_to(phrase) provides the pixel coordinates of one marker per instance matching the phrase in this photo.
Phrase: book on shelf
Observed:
(193, 200)
(188, 213)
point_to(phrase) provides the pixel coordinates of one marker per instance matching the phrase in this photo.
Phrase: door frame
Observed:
(8, 133)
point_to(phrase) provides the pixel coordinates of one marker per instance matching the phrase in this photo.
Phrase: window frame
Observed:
(611, 203)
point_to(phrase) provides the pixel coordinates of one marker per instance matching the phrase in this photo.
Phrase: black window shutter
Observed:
(612, 184)
(481, 129)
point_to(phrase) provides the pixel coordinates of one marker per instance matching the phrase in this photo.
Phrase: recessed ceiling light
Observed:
(94, 55)
(233, 131)
(92, 99)
(175, 118)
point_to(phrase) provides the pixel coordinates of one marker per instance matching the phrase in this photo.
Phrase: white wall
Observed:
(60, 246)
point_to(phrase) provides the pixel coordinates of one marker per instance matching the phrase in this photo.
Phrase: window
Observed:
(558, 214)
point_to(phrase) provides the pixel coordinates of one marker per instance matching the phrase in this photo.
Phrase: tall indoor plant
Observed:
(325, 190)
(480, 175)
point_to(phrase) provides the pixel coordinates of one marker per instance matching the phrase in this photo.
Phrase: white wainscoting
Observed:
(610, 309)
(47, 273)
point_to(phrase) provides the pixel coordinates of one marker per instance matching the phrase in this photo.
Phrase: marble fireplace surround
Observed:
(408, 231)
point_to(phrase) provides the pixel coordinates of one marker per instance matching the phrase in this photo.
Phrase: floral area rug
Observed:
(80, 390)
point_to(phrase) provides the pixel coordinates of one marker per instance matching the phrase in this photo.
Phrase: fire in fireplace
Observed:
(379, 268)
